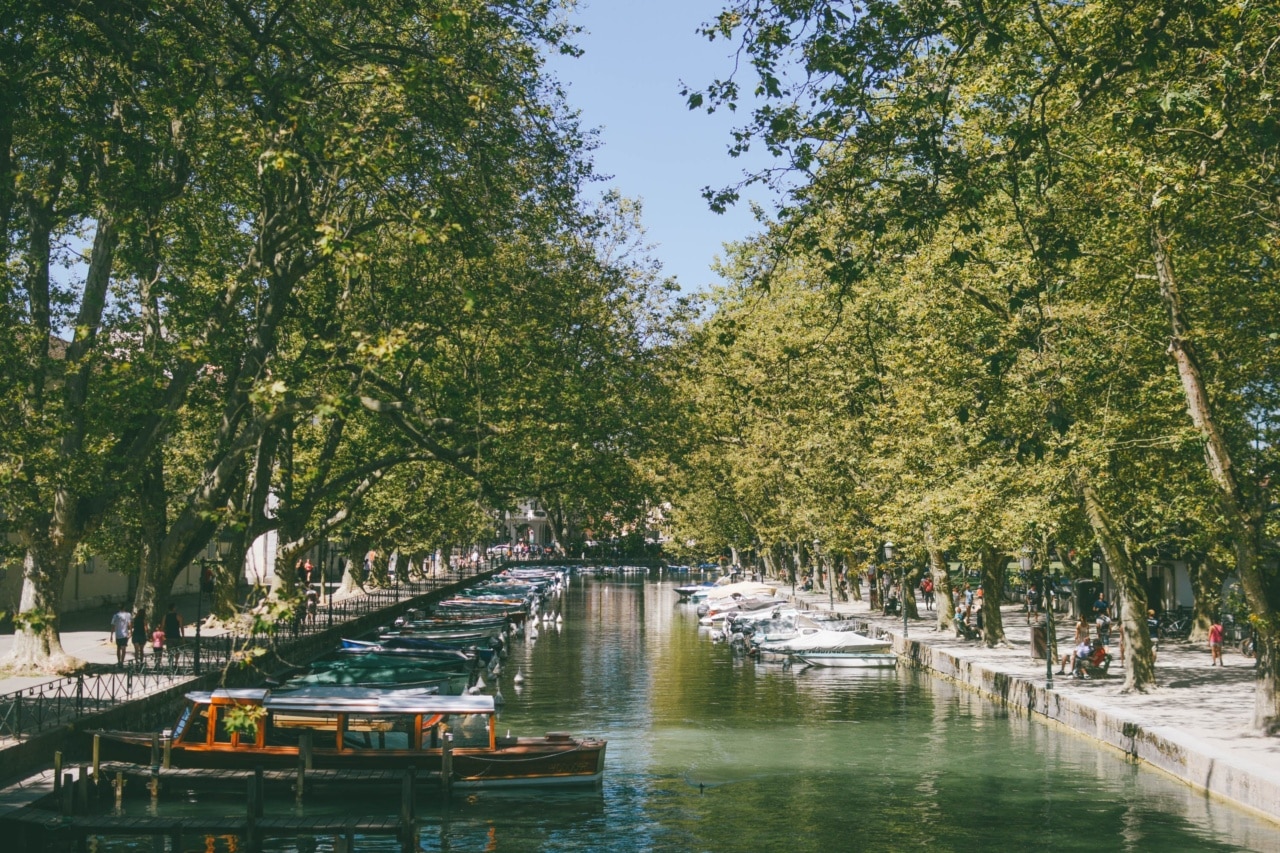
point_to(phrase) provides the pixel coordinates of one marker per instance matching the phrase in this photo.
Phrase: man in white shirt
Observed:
(121, 624)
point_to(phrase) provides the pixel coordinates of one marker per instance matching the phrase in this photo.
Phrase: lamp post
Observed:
(889, 553)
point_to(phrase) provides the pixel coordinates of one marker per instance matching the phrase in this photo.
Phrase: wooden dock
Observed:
(42, 816)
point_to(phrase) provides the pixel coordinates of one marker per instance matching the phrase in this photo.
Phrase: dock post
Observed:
(168, 752)
(154, 785)
(119, 788)
(446, 762)
(302, 777)
(82, 790)
(97, 758)
(407, 829)
(306, 743)
(67, 792)
(57, 772)
(251, 816)
(155, 751)
(261, 785)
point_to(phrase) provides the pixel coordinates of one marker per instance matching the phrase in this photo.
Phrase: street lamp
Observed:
(889, 552)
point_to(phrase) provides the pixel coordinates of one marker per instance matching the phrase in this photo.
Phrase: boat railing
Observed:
(97, 688)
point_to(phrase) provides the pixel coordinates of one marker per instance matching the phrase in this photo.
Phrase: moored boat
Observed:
(363, 729)
(849, 660)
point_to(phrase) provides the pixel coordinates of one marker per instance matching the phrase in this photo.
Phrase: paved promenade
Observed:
(86, 634)
(1200, 714)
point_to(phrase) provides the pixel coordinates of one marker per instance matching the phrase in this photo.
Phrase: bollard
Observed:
(251, 816)
(67, 804)
(446, 762)
(82, 791)
(305, 746)
(406, 804)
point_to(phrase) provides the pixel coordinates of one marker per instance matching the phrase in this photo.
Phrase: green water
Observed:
(708, 752)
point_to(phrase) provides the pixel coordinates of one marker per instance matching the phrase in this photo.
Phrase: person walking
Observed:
(139, 637)
(1153, 630)
(121, 628)
(926, 589)
(1215, 643)
(157, 643)
(172, 628)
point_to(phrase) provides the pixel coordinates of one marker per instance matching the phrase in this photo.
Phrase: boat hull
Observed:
(850, 660)
(527, 761)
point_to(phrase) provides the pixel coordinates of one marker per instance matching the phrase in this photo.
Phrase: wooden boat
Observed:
(362, 729)
(849, 660)
(421, 647)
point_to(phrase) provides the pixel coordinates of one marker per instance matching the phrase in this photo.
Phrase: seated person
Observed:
(1084, 652)
(1099, 657)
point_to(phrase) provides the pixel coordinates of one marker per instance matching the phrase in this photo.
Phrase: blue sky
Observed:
(627, 85)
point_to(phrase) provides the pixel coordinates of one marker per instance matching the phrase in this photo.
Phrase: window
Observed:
(285, 729)
(367, 731)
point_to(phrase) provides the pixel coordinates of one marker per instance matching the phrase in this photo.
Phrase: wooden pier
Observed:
(48, 812)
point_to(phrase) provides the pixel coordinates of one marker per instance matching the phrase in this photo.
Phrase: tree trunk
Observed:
(1139, 671)
(1206, 585)
(946, 606)
(37, 646)
(994, 566)
(1244, 516)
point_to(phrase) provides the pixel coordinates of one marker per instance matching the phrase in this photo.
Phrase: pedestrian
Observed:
(139, 637)
(172, 628)
(1215, 643)
(157, 642)
(926, 589)
(308, 569)
(1153, 630)
(121, 628)
(1101, 606)
(300, 573)
(1104, 627)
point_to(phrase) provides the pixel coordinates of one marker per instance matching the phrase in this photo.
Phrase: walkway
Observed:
(1199, 715)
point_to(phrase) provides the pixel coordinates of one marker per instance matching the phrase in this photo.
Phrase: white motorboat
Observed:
(852, 660)
(822, 640)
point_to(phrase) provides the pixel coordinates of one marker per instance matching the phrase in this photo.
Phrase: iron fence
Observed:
(98, 688)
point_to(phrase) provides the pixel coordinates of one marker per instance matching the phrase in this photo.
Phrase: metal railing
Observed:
(98, 688)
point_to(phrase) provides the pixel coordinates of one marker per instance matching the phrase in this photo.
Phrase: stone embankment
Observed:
(1195, 726)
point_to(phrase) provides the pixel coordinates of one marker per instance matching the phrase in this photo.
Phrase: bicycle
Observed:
(1177, 626)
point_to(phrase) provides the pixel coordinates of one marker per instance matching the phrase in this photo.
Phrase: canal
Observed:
(709, 752)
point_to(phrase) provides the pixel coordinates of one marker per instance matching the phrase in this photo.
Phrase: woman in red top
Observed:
(1215, 643)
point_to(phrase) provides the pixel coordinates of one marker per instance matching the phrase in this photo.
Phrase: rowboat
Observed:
(360, 729)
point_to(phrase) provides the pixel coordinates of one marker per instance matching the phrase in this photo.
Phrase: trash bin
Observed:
(1039, 641)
